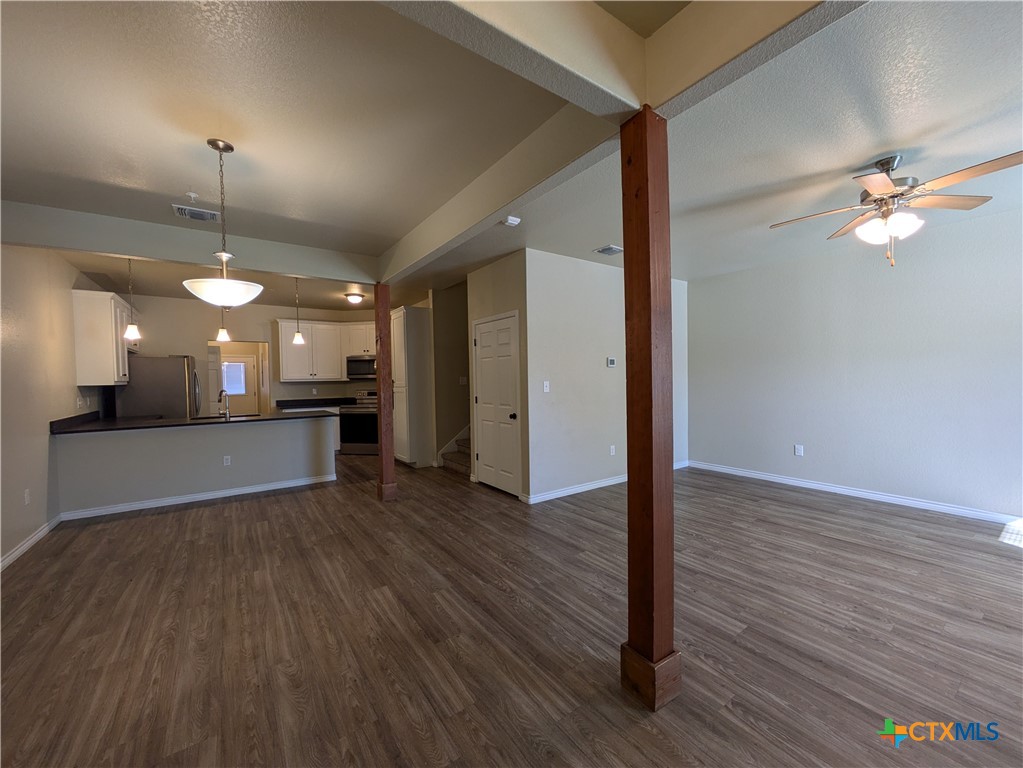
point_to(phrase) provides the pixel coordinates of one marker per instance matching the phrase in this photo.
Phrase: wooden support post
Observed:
(651, 667)
(387, 487)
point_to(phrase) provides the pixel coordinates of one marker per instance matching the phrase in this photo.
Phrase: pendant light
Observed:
(298, 327)
(222, 291)
(222, 334)
(131, 333)
(354, 298)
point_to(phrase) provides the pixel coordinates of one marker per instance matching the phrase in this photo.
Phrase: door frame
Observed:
(473, 420)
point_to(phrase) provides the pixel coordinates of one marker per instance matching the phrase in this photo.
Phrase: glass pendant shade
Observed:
(298, 338)
(222, 335)
(900, 224)
(131, 333)
(223, 292)
(354, 298)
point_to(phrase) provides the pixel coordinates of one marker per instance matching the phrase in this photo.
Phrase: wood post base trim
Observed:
(654, 683)
(387, 491)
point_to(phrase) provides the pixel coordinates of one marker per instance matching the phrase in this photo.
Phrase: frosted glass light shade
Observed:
(900, 224)
(298, 338)
(354, 298)
(131, 333)
(223, 292)
(222, 335)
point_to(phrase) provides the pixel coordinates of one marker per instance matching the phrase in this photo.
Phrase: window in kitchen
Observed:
(234, 378)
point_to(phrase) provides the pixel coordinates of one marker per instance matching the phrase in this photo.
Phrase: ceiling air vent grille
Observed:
(609, 250)
(195, 214)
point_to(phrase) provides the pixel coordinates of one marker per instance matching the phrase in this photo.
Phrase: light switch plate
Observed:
(611, 362)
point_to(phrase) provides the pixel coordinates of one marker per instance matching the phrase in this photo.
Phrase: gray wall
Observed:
(37, 381)
(451, 361)
(902, 380)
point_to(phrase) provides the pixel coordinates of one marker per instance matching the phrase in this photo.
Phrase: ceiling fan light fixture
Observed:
(222, 291)
(899, 225)
(354, 298)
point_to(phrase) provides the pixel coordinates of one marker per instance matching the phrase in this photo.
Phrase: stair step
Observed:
(457, 462)
(464, 445)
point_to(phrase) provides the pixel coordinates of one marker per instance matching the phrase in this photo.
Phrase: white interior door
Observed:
(238, 373)
(498, 457)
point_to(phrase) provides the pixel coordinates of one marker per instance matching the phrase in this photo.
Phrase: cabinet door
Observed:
(402, 438)
(363, 339)
(398, 363)
(120, 319)
(326, 338)
(296, 359)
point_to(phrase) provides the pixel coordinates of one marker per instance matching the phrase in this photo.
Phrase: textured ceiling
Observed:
(785, 140)
(351, 124)
(644, 17)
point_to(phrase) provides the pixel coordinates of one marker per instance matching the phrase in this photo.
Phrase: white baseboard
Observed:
(538, 497)
(888, 498)
(188, 498)
(680, 464)
(23, 547)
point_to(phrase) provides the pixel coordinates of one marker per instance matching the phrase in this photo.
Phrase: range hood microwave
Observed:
(362, 367)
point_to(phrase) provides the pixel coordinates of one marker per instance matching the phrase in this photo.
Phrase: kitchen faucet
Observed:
(224, 398)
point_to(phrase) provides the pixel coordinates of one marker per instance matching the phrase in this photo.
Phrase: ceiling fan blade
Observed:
(954, 202)
(876, 184)
(822, 213)
(998, 164)
(861, 219)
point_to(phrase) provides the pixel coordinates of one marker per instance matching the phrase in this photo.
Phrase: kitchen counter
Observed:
(91, 422)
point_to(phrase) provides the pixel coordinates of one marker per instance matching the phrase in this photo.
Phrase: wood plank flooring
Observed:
(459, 627)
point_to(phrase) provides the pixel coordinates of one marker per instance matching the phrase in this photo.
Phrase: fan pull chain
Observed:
(890, 254)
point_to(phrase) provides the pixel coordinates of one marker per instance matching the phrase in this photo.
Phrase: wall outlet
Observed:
(611, 362)
(81, 402)
(88, 401)
(612, 450)
(315, 390)
(463, 381)
(227, 461)
(546, 386)
(28, 497)
(797, 449)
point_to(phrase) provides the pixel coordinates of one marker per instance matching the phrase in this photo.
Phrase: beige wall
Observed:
(37, 381)
(492, 290)
(186, 326)
(451, 361)
(904, 381)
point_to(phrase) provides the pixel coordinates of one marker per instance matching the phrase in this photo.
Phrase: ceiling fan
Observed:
(882, 198)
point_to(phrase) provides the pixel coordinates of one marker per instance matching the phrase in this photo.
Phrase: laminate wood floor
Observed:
(460, 627)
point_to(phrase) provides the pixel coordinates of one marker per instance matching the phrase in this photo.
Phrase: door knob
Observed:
(513, 416)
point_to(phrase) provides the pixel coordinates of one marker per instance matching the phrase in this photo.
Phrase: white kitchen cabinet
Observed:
(319, 359)
(356, 339)
(101, 352)
(413, 385)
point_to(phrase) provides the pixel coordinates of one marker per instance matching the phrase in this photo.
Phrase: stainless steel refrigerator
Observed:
(161, 386)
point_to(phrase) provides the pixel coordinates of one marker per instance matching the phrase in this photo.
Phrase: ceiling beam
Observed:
(577, 51)
(40, 226)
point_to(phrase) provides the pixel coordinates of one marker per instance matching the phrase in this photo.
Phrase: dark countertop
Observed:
(91, 422)
(316, 402)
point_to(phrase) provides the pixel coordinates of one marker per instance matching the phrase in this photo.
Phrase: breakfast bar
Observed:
(104, 466)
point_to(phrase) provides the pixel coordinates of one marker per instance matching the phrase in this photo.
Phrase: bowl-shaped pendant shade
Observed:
(223, 292)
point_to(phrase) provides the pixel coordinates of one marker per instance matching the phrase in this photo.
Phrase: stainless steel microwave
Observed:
(362, 366)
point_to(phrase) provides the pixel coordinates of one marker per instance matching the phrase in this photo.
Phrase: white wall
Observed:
(37, 383)
(904, 380)
(451, 362)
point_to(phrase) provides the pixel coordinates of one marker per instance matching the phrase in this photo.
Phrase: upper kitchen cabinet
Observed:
(319, 359)
(101, 351)
(357, 339)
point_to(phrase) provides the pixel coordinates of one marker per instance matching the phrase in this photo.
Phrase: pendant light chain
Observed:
(223, 214)
(298, 325)
(131, 293)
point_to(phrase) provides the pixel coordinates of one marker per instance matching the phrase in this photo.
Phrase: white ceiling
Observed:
(785, 140)
(352, 124)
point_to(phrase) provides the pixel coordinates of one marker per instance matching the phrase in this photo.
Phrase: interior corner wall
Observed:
(905, 381)
(451, 362)
(492, 290)
(37, 382)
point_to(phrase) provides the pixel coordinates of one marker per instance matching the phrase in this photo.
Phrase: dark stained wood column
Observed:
(387, 487)
(651, 667)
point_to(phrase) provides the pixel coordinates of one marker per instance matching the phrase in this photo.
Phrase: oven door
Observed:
(359, 431)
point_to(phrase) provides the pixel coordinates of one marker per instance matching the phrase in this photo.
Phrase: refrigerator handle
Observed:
(196, 393)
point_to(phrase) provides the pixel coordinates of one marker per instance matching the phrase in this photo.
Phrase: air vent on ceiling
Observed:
(609, 250)
(195, 214)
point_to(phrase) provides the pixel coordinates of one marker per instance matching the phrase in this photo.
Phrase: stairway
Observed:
(459, 461)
